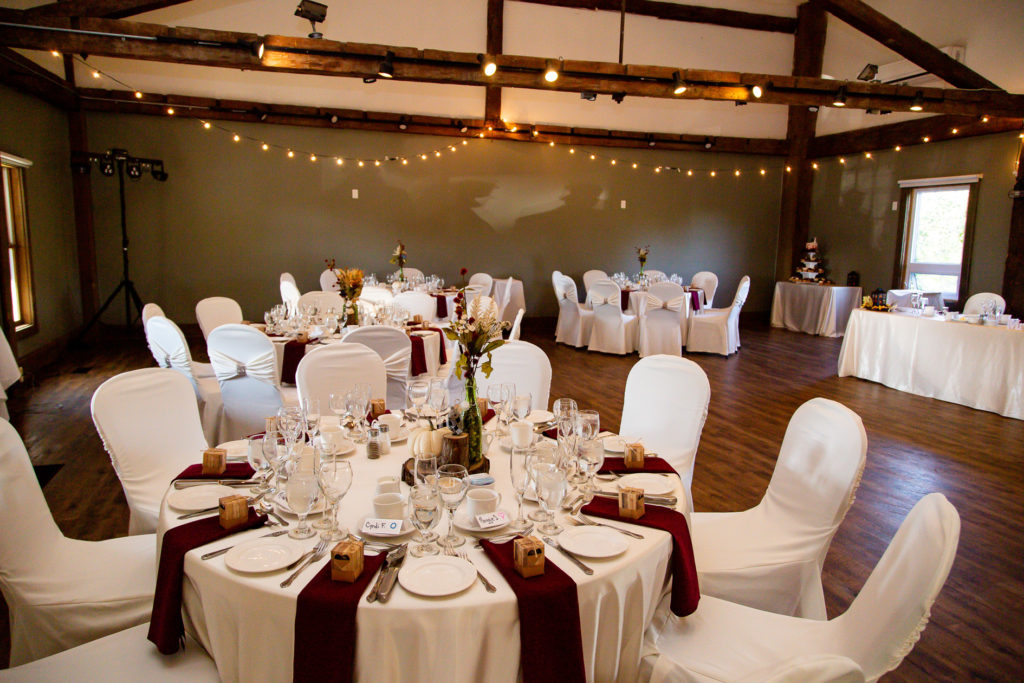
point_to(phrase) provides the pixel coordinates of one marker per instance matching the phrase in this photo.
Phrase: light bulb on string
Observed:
(339, 161)
(291, 154)
(376, 162)
(236, 138)
(265, 146)
(312, 157)
(206, 125)
(361, 164)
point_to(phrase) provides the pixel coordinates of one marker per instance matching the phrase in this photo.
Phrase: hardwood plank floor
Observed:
(915, 446)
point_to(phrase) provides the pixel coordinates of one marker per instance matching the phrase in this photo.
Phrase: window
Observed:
(18, 297)
(936, 224)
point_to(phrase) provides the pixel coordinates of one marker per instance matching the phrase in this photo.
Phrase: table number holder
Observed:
(347, 561)
(528, 556)
(215, 461)
(631, 502)
(377, 408)
(234, 511)
(634, 456)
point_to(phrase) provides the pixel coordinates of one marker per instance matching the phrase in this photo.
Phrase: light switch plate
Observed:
(355, 194)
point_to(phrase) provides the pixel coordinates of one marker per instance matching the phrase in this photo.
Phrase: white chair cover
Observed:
(329, 281)
(613, 330)
(665, 405)
(377, 296)
(483, 306)
(417, 303)
(707, 281)
(976, 302)
(725, 641)
(323, 301)
(808, 668)
(62, 592)
(120, 657)
(717, 330)
(503, 299)
(288, 277)
(523, 364)
(245, 363)
(216, 311)
(473, 291)
(339, 367)
(770, 556)
(655, 275)
(150, 310)
(412, 273)
(484, 280)
(395, 349)
(517, 325)
(575, 321)
(10, 372)
(663, 320)
(592, 276)
(149, 424)
(170, 349)
(289, 293)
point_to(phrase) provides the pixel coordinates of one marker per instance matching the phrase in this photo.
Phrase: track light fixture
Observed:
(386, 69)
(678, 84)
(551, 71)
(617, 97)
(258, 47)
(708, 144)
(840, 98)
(313, 12)
(918, 103)
(756, 91)
(490, 67)
(107, 165)
(133, 169)
(369, 79)
(588, 95)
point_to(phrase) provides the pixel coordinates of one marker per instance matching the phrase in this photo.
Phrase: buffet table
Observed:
(814, 309)
(246, 621)
(973, 365)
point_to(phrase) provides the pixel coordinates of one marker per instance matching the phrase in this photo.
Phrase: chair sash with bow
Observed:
(175, 359)
(674, 304)
(397, 365)
(262, 367)
(597, 300)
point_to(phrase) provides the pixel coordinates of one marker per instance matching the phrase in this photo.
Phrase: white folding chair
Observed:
(337, 368)
(523, 364)
(717, 330)
(215, 311)
(417, 303)
(329, 281)
(517, 325)
(732, 642)
(484, 280)
(395, 350)
(976, 302)
(119, 658)
(149, 424)
(62, 592)
(170, 348)
(664, 406)
(150, 310)
(245, 362)
(707, 281)
(770, 556)
(575, 321)
(613, 331)
(592, 276)
(663, 320)
(322, 301)
(289, 293)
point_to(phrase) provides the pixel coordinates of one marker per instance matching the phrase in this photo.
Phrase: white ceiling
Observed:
(991, 30)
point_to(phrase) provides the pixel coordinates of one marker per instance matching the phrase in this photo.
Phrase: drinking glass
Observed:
(588, 424)
(539, 457)
(425, 475)
(301, 492)
(417, 392)
(591, 460)
(259, 461)
(425, 515)
(439, 400)
(522, 406)
(520, 478)
(563, 407)
(452, 483)
(335, 477)
(337, 405)
(500, 394)
(289, 423)
(552, 486)
(311, 418)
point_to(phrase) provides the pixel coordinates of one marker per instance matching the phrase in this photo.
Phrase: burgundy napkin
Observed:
(550, 644)
(618, 466)
(166, 628)
(442, 355)
(294, 350)
(325, 624)
(235, 470)
(625, 298)
(685, 591)
(694, 300)
(486, 417)
(369, 416)
(418, 362)
(442, 306)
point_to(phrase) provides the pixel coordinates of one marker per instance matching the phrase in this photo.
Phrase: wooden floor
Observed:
(915, 446)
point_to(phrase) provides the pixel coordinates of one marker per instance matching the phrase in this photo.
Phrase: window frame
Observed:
(28, 325)
(904, 232)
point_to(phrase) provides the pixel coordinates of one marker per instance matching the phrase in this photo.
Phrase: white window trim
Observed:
(947, 180)
(12, 160)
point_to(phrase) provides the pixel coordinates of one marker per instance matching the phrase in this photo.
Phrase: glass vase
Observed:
(472, 424)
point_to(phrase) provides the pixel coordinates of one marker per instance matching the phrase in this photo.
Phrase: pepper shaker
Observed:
(373, 450)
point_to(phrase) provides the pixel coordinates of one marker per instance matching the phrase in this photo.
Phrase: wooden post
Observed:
(495, 30)
(1013, 274)
(81, 190)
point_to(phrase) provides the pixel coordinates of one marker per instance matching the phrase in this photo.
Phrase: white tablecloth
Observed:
(246, 622)
(431, 350)
(516, 301)
(973, 365)
(814, 309)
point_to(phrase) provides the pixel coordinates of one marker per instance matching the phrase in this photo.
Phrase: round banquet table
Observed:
(431, 349)
(246, 621)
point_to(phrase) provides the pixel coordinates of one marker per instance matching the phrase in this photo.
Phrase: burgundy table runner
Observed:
(442, 306)
(618, 466)
(166, 627)
(235, 470)
(625, 298)
(685, 591)
(325, 624)
(550, 643)
(418, 362)
(293, 353)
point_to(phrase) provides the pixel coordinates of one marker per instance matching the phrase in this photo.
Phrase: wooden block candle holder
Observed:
(215, 461)
(302, 338)
(377, 408)
(347, 561)
(528, 555)
(631, 502)
(234, 511)
(634, 455)
(417, 319)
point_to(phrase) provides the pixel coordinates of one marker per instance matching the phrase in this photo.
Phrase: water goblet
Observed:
(301, 493)
(520, 478)
(417, 392)
(439, 400)
(522, 405)
(425, 515)
(452, 484)
(311, 418)
(425, 475)
(335, 477)
(590, 461)
(336, 401)
(563, 407)
(552, 485)
(259, 461)
(539, 457)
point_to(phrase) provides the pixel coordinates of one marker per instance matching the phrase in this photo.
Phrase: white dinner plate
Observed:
(236, 447)
(466, 523)
(593, 541)
(538, 416)
(344, 448)
(617, 444)
(262, 555)
(436, 576)
(407, 528)
(196, 498)
(652, 484)
(401, 435)
(281, 503)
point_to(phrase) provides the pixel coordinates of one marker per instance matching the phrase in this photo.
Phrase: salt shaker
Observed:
(385, 437)
(373, 449)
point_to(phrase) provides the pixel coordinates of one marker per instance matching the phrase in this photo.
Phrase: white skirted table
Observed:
(815, 309)
(973, 365)
(516, 300)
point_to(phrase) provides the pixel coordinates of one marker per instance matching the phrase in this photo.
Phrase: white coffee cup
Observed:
(521, 434)
(393, 422)
(389, 506)
(929, 311)
(389, 485)
(333, 437)
(482, 501)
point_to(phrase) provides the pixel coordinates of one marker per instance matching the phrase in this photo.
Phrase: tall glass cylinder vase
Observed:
(472, 423)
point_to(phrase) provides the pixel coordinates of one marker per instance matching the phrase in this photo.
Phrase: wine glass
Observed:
(335, 477)
(563, 407)
(552, 486)
(520, 478)
(289, 422)
(259, 461)
(522, 405)
(311, 418)
(539, 457)
(336, 401)
(588, 423)
(425, 515)
(452, 483)
(425, 475)
(439, 400)
(591, 460)
(301, 493)
(417, 392)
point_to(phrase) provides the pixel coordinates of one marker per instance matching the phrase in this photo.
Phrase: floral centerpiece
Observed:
(463, 272)
(477, 329)
(350, 285)
(641, 256)
(399, 257)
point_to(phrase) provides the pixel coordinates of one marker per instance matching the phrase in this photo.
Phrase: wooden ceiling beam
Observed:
(25, 75)
(907, 133)
(109, 9)
(678, 12)
(874, 24)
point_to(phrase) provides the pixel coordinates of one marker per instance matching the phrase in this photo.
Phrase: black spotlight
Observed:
(617, 97)
(387, 67)
(107, 165)
(158, 172)
(314, 12)
(588, 95)
(133, 169)
(369, 79)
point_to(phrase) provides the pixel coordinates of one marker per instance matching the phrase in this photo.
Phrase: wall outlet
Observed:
(895, 206)
(355, 194)
(622, 204)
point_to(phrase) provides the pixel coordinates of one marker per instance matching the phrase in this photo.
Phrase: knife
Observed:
(397, 557)
(372, 595)
(188, 483)
(663, 501)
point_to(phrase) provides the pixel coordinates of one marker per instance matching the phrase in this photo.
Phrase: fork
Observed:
(483, 579)
(319, 546)
(319, 551)
(218, 553)
(580, 518)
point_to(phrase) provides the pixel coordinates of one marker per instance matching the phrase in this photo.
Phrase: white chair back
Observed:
(976, 302)
(707, 281)
(216, 311)
(289, 292)
(819, 668)
(395, 350)
(523, 364)
(517, 325)
(483, 305)
(665, 405)
(245, 363)
(667, 296)
(376, 296)
(288, 277)
(484, 280)
(655, 276)
(329, 281)
(663, 318)
(574, 323)
(417, 303)
(322, 300)
(169, 347)
(605, 297)
(592, 276)
(472, 292)
(337, 368)
(613, 331)
(504, 297)
(412, 273)
(150, 310)
(149, 424)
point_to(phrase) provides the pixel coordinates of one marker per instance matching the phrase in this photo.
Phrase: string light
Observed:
(376, 162)
(237, 138)
(170, 111)
(138, 95)
(712, 174)
(265, 146)
(95, 74)
(54, 53)
(339, 161)
(763, 172)
(465, 142)
(291, 154)
(657, 169)
(551, 144)
(634, 164)
(312, 157)
(898, 148)
(926, 139)
(842, 160)
(867, 155)
(789, 169)
(737, 173)
(592, 157)
(206, 125)
(572, 150)
(361, 163)
(955, 131)
(689, 172)
(613, 162)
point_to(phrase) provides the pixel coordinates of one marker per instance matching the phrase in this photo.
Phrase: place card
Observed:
(492, 519)
(382, 527)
